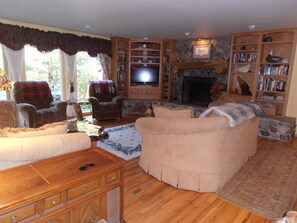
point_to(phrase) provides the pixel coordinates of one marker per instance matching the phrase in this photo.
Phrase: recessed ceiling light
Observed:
(145, 38)
(87, 26)
(187, 33)
(252, 27)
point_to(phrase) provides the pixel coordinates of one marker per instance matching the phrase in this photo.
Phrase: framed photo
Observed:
(201, 51)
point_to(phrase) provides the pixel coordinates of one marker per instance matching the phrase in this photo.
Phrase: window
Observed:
(88, 68)
(46, 67)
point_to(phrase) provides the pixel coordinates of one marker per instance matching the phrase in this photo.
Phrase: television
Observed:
(144, 75)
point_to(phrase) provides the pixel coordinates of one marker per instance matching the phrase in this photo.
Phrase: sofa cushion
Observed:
(47, 129)
(167, 112)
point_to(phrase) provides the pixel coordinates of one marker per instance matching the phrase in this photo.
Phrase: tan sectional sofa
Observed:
(198, 154)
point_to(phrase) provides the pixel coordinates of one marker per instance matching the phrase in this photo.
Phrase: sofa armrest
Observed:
(61, 105)
(27, 108)
(118, 99)
(164, 126)
(93, 100)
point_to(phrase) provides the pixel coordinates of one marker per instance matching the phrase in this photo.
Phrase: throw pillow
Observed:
(47, 129)
(167, 112)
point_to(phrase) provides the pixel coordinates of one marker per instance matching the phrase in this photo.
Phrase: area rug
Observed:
(267, 184)
(124, 141)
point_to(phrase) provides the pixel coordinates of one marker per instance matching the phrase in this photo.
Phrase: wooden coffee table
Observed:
(95, 132)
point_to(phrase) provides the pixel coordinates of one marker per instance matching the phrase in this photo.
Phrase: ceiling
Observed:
(154, 19)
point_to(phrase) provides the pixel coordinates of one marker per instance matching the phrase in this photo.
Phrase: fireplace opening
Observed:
(196, 90)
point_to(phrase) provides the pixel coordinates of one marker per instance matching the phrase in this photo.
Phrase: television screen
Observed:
(144, 75)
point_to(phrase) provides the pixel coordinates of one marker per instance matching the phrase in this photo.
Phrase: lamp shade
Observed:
(5, 83)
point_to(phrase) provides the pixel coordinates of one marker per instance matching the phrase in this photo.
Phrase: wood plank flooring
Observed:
(158, 202)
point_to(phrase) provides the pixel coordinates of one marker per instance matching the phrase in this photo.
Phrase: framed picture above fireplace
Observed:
(201, 51)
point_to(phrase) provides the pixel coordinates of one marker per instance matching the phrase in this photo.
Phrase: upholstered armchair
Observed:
(105, 103)
(35, 102)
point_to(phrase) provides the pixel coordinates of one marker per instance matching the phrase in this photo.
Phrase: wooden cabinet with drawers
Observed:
(57, 190)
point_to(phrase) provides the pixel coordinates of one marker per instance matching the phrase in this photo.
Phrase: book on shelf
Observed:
(272, 69)
(244, 57)
(271, 84)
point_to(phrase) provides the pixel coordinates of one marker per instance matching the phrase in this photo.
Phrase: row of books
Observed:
(244, 57)
(270, 69)
(271, 96)
(271, 84)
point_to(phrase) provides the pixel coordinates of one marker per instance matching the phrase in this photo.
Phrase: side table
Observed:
(95, 132)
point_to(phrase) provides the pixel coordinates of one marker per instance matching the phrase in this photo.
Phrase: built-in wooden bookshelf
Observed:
(168, 56)
(120, 64)
(243, 63)
(268, 80)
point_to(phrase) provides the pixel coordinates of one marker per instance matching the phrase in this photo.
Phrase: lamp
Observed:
(201, 50)
(5, 83)
(203, 41)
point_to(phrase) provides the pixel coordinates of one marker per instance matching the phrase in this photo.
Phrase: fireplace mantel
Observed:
(219, 66)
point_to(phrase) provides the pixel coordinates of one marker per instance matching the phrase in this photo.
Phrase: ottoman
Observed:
(278, 128)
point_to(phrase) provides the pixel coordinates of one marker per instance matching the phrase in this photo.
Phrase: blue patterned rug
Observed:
(124, 141)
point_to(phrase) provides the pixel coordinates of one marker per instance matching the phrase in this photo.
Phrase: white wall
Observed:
(292, 103)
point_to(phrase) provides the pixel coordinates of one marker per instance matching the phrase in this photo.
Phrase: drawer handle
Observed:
(13, 219)
(54, 203)
(91, 219)
(85, 189)
(113, 177)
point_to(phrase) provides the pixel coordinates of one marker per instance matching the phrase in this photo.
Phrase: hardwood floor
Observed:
(147, 200)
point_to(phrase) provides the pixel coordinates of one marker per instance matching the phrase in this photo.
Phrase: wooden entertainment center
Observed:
(147, 54)
(84, 186)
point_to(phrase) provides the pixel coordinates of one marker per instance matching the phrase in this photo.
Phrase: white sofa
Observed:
(18, 151)
(22, 145)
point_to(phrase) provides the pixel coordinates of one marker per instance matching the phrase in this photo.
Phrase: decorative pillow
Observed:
(47, 129)
(167, 112)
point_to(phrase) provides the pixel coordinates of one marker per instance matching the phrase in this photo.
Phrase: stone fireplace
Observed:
(194, 87)
(197, 90)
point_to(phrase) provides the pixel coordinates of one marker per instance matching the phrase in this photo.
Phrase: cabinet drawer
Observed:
(61, 218)
(83, 189)
(112, 176)
(136, 91)
(152, 91)
(20, 214)
(52, 201)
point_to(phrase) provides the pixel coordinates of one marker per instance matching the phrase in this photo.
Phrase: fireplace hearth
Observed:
(197, 90)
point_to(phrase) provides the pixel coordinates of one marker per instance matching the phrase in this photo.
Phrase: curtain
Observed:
(105, 64)
(70, 62)
(15, 60)
(16, 37)
(71, 68)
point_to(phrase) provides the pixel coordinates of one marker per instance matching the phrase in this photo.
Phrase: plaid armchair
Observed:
(35, 102)
(105, 103)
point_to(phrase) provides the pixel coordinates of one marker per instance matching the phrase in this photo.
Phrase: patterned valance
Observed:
(15, 37)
